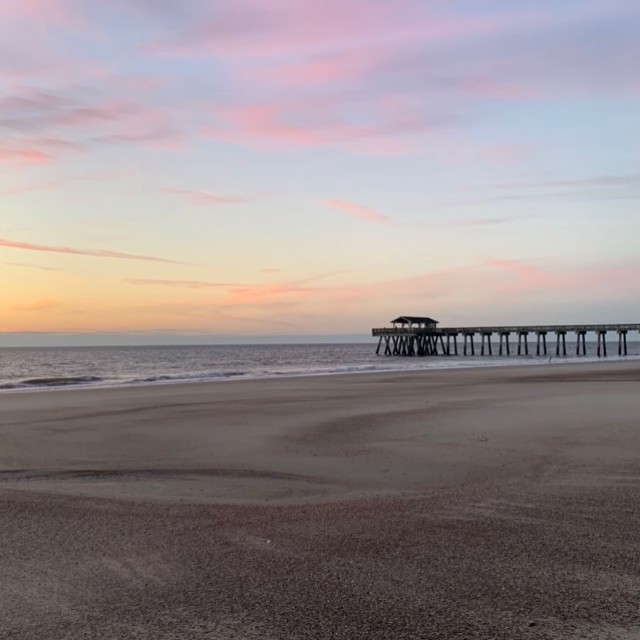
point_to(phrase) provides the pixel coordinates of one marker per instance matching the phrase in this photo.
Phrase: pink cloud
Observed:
(167, 139)
(23, 156)
(302, 298)
(359, 211)
(266, 294)
(294, 75)
(251, 28)
(256, 295)
(41, 12)
(321, 70)
(262, 122)
(46, 125)
(110, 111)
(349, 41)
(207, 197)
(495, 282)
(339, 64)
(497, 90)
(608, 279)
(354, 55)
(98, 253)
(26, 151)
(530, 275)
(384, 125)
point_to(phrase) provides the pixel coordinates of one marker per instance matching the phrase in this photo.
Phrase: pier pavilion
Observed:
(421, 336)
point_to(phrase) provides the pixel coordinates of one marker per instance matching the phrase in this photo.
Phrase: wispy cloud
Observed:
(386, 125)
(201, 196)
(97, 253)
(42, 126)
(21, 156)
(238, 286)
(593, 188)
(358, 211)
(44, 12)
(531, 275)
(479, 221)
(181, 284)
(323, 82)
(36, 305)
(607, 278)
(31, 188)
(293, 77)
(624, 180)
(244, 28)
(26, 265)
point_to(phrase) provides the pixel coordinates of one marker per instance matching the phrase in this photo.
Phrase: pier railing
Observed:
(429, 341)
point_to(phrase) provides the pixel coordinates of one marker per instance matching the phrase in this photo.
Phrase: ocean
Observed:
(30, 368)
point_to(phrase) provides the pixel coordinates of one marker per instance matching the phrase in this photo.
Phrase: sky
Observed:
(282, 168)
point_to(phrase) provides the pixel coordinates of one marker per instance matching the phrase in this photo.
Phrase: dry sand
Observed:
(485, 503)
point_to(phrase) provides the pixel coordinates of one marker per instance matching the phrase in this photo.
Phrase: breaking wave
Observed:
(52, 382)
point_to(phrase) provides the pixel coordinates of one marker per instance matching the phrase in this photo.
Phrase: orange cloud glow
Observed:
(36, 305)
(186, 284)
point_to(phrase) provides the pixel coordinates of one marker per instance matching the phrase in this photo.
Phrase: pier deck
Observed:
(424, 340)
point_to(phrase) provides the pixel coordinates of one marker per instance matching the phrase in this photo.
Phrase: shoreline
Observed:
(242, 377)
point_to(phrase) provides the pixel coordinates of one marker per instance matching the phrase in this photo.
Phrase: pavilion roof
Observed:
(414, 320)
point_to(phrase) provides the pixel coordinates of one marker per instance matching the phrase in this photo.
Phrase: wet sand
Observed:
(480, 503)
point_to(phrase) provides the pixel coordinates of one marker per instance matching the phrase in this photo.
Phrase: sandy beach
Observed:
(481, 503)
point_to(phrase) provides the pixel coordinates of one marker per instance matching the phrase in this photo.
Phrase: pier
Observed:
(421, 336)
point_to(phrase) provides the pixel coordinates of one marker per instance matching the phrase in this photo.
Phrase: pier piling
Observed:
(504, 335)
(521, 342)
(602, 344)
(561, 342)
(541, 335)
(581, 344)
(622, 342)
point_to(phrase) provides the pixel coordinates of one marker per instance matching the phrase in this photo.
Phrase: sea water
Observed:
(28, 368)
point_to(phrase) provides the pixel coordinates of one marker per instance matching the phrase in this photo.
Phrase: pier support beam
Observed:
(452, 341)
(470, 336)
(602, 344)
(541, 342)
(622, 342)
(487, 335)
(504, 335)
(581, 345)
(521, 342)
(561, 343)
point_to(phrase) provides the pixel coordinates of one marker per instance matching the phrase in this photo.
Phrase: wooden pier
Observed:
(421, 336)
